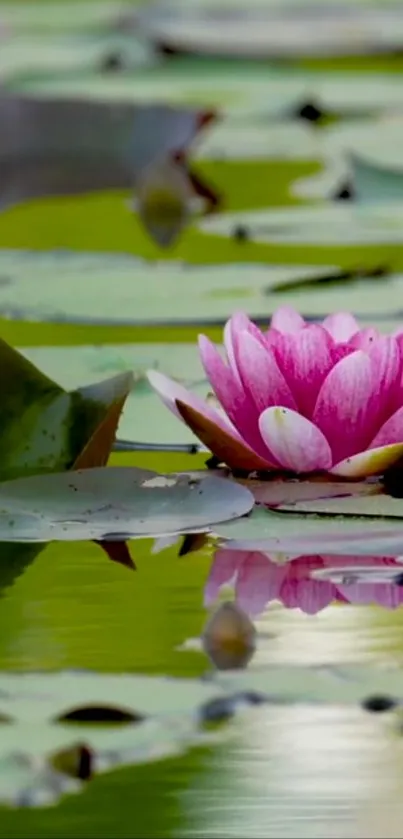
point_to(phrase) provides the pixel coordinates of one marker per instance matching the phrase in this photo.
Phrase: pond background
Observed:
(298, 771)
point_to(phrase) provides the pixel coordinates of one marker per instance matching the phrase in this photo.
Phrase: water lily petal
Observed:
(258, 582)
(287, 320)
(260, 374)
(223, 569)
(344, 409)
(386, 364)
(370, 462)
(296, 442)
(390, 432)
(305, 358)
(237, 403)
(170, 392)
(364, 338)
(222, 443)
(238, 323)
(341, 326)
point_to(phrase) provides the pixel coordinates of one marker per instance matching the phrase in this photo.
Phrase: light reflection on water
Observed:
(311, 771)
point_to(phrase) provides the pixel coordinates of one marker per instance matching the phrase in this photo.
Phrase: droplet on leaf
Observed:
(229, 637)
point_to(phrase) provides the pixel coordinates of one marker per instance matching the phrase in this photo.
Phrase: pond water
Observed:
(119, 713)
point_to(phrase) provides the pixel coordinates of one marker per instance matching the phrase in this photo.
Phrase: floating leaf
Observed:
(116, 288)
(297, 533)
(272, 30)
(114, 504)
(331, 224)
(54, 744)
(280, 491)
(341, 684)
(382, 506)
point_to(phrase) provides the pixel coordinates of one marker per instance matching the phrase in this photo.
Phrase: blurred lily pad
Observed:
(40, 751)
(114, 288)
(326, 224)
(115, 504)
(272, 29)
(366, 153)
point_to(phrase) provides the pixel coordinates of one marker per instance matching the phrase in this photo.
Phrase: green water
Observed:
(297, 771)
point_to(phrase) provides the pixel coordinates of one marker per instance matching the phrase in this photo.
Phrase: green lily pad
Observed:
(84, 15)
(366, 153)
(144, 418)
(340, 684)
(39, 755)
(24, 56)
(326, 224)
(114, 504)
(113, 288)
(273, 29)
(296, 533)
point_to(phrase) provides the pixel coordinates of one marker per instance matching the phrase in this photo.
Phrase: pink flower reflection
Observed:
(258, 580)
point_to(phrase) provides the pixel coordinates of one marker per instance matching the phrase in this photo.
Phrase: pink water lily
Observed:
(299, 397)
(259, 579)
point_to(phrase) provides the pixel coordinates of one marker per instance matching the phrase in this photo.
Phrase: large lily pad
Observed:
(88, 15)
(273, 28)
(144, 418)
(315, 225)
(247, 91)
(341, 684)
(115, 503)
(114, 288)
(40, 752)
(297, 533)
(27, 55)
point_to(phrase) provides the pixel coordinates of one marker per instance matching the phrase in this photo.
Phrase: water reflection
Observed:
(308, 583)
